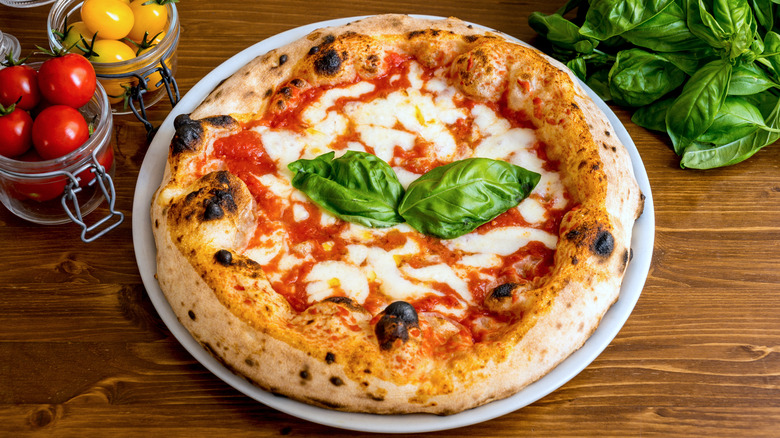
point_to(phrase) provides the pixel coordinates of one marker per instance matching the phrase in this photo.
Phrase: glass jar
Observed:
(9, 44)
(69, 187)
(149, 76)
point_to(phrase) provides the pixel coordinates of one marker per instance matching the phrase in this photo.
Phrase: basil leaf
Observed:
(578, 67)
(737, 118)
(736, 19)
(690, 61)
(762, 9)
(653, 116)
(599, 83)
(771, 51)
(703, 156)
(665, 32)
(561, 32)
(456, 198)
(701, 98)
(356, 187)
(607, 18)
(747, 79)
(702, 24)
(639, 78)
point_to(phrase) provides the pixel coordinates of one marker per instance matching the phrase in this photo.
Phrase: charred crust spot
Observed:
(220, 121)
(503, 290)
(607, 133)
(156, 223)
(191, 314)
(396, 320)
(336, 381)
(330, 358)
(614, 149)
(573, 234)
(328, 39)
(281, 105)
(574, 260)
(367, 371)
(188, 134)
(378, 398)
(595, 166)
(249, 362)
(603, 244)
(582, 164)
(471, 38)
(224, 257)
(305, 375)
(286, 91)
(297, 82)
(642, 197)
(282, 59)
(414, 34)
(314, 50)
(269, 92)
(625, 258)
(328, 63)
(346, 302)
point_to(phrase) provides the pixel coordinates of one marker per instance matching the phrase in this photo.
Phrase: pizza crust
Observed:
(198, 228)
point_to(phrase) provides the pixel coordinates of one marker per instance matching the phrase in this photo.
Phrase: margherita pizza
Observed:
(396, 215)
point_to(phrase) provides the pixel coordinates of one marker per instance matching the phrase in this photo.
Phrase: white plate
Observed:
(150, 177)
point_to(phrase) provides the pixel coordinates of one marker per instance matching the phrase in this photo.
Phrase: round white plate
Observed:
(150, 177)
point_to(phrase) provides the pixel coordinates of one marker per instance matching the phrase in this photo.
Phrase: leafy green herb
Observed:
(356, 187)
(446, 202)
(719, 59)
(456, 198)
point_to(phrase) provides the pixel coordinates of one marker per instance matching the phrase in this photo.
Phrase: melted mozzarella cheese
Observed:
(502, 241)
(325, 276)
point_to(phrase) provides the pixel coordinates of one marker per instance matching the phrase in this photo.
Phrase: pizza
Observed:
(396, 215)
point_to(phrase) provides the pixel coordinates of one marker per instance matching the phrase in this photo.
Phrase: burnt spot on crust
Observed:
(305, 375)
(328, 39)
(224, 257)
(396, 320)
(625, 259)
(470, 38)
(314, 50)
(604, 244)
(282, 59)
(595, 237)
(330, 358)
(503, 291)
(336, 381)
(220, 200)
(347, 302)
(326, 403)
(329, 62)
(191, 314)
(189, 133)
(297, 82)
(187, 136)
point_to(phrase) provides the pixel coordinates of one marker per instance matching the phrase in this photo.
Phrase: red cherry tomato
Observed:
(59, 130)
(67, 80)
(106, 159)
(40, 190)
(19, 81)
(15, 133)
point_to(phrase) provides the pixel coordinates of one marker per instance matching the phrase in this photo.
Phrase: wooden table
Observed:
(84, 352)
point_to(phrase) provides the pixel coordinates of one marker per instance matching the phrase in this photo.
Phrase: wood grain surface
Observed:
(84, 353)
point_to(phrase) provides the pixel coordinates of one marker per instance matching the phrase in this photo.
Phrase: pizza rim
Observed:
(445, 403)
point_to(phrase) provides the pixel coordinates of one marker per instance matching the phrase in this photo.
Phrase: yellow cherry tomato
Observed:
(117, 89)
(111, 19)
(148, 18)
(73, 35)
(111, 51)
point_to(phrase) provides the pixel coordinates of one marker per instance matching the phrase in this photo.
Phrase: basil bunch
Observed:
(446, 202)
(706, 72)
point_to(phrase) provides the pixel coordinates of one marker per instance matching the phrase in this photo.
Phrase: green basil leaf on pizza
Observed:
(456, 198)
(357, 187)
